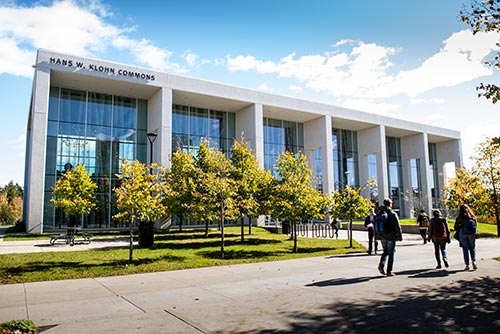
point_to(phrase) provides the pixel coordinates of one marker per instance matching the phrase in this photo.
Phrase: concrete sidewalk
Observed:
(338, 294)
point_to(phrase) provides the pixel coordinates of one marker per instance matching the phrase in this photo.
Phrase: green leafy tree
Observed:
(349, 204)
(488, 169)
(12, 191)
(74, 192)
(139, 195)
(216, 189)
(247, 176)
(466, 188)
(484, 16)
(181, 178)
(295, 196)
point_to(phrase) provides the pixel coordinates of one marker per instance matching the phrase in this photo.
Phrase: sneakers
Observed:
(381, 269)
(439, 266)
(446, 262)
(474, 265)
(467, 268)
(390, 274)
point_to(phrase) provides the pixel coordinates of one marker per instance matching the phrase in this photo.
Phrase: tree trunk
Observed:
(294, 235)
(206, 228)
(131, 242)
(181, 217)
(350, 233)
(222, 231)
(242, 229)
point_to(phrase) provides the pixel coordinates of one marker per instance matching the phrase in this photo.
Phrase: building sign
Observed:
(103, 69)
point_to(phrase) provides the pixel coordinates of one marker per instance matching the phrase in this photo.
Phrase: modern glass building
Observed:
(98, 113)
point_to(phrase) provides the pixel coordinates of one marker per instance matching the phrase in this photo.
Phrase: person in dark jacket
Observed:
(369, 222)
(439, 233)
(388, 238)
(466, 225)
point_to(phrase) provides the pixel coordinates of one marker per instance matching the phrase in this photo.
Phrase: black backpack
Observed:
(382, 223)
(424, 222)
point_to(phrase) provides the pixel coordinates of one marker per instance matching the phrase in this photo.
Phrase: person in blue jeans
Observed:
(466, 225)
(439, 233)
(388, 236)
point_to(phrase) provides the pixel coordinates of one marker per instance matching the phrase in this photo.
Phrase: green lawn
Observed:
(172, 251)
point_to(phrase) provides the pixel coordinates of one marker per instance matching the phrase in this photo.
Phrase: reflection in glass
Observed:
(96, 130)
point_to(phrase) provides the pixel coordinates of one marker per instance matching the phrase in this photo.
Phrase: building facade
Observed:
(97, 112)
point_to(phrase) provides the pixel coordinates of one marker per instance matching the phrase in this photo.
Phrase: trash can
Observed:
(285, 227)
(146, 234)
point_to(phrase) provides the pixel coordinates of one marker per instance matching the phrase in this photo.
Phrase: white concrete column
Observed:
(36, 151)
(372, 141)
(160, 122)
(448, 151)
(415, 147)
(250, 122)
(318, 135)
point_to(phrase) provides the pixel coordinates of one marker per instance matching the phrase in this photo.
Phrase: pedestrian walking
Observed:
(388, 232)
(439, 233)
(423, 224)
(466, 226)
(369, 224)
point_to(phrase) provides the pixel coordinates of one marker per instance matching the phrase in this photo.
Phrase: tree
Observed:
(12, 191)
(216, 188)
(74, 192)
(139, 195)
(466, 188)
(6, 216)
(295, 196)
(247, 176)
(181, 178)
(488, 169)
(484, 16)
(349, 204)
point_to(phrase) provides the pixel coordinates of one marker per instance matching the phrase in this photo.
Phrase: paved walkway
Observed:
(336, 294)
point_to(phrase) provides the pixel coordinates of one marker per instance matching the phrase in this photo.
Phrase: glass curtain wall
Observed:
(394, 168)
(281, 136)
(372, 174)
(433, 175)
(416, 186)
(99, 131)
(192, 125)
(345, 158)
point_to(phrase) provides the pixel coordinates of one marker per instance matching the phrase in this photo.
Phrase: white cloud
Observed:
(295, 89)
(264, 87)
(434, 100)
(435, 117)
(460, 60)
(73, 26)
(193, 60)
(365, 70)
(472, 135)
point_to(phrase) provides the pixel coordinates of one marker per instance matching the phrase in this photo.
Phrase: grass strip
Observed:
(173, 251)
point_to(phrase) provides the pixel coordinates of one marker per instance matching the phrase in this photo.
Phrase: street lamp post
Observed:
(151, 137)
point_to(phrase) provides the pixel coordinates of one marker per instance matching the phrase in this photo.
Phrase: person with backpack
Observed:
(369, 224)
(439, 233)
(423, 224)
(388, 231)
(466, 226)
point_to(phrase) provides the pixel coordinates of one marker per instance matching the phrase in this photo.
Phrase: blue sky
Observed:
(410, 60)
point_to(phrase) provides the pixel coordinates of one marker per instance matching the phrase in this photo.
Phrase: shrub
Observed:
(18, 326)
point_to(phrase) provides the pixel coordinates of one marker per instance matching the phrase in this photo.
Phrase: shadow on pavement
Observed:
(344, 281)
(464, 307)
